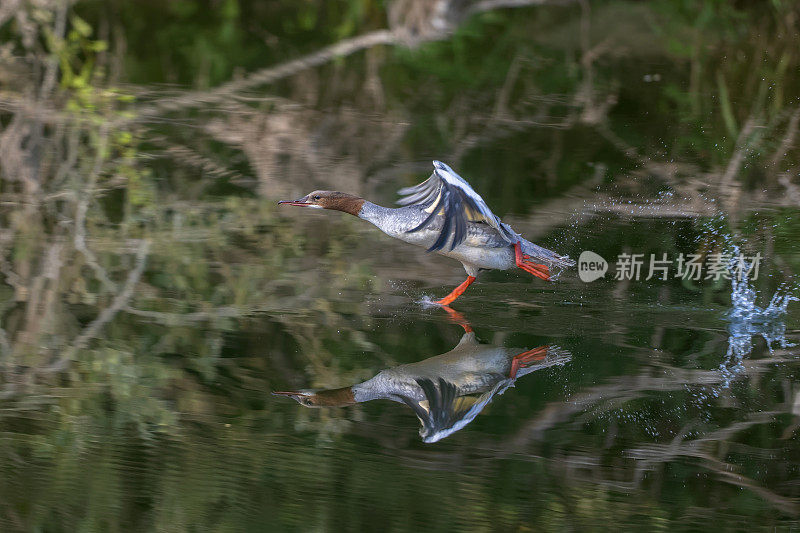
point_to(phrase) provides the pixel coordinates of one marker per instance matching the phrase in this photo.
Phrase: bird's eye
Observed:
(316, 197)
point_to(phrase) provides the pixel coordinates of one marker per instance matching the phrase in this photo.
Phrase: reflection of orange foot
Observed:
(526, 359)
(458, 291)
(458, 318)
(524, 262)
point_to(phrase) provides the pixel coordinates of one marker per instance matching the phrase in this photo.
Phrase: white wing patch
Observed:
(447, 194)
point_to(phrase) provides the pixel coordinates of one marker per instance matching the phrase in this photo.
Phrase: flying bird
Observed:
(445, 215)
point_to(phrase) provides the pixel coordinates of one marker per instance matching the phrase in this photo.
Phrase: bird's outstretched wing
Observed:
(447, 194)
(446, 412)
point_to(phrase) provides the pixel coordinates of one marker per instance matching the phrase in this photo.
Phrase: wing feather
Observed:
(447, 194)
(446, 412)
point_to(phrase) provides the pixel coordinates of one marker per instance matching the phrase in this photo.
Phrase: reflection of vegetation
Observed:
(150, 296)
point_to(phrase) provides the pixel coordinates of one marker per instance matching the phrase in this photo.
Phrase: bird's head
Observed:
(322, 398)
(337, 201)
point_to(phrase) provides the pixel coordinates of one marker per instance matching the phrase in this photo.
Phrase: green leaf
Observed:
(81, 26)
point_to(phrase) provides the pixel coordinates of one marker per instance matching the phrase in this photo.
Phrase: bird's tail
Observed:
(547, 257)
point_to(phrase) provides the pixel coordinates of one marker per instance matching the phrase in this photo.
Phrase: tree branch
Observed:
(119, 302)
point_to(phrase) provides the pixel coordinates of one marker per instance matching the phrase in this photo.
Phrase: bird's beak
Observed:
(301, 202)
(293, 394)
(290, 393)
(296, 395)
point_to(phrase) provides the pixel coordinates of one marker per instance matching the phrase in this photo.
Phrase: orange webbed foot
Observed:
(458, 291)
(525, 359)
(524, 261)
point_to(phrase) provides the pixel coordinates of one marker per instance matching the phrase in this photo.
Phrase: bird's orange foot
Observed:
(524, 262)
(525, 359)
(458, 291)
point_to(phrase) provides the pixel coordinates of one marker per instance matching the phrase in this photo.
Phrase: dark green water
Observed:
(169, 423)
(135, 390)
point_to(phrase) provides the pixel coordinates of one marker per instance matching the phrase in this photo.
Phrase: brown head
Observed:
(338, 201)
(323, 398)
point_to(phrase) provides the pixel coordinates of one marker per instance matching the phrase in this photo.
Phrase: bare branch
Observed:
(792, 190)
(51, 72)
(788, 139)
(727, 187)
(489, 5)
(398, 36)
(189, 318)
(119, 302)
(12, 278)
(273, 74)
(82, 208)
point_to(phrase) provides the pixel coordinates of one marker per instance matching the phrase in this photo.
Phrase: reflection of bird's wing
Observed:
(447, 413)
(446, 193)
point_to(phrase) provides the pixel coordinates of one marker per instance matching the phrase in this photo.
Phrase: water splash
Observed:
(747, 319)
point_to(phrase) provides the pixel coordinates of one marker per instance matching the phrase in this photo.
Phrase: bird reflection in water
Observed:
(446, 391)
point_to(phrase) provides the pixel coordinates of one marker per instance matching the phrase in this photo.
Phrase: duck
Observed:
(445, 215)
(446, 391)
